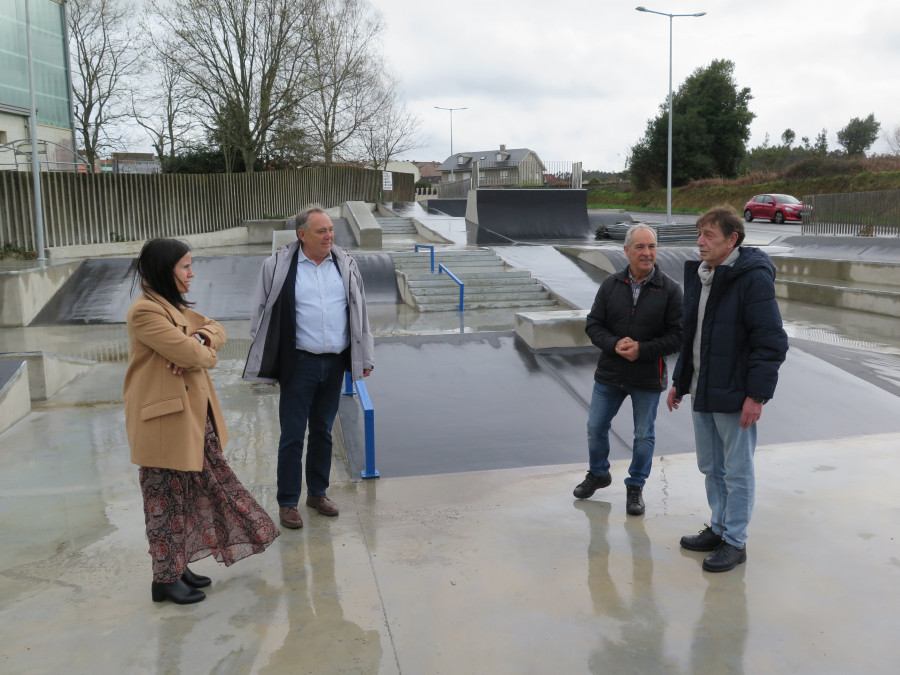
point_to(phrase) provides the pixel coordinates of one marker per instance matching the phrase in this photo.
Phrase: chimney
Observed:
(502, 148)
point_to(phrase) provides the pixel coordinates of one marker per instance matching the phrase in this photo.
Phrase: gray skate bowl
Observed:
(503, 216)
(100, 290)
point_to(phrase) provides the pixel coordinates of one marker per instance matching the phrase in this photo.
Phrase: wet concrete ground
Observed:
(470, 554)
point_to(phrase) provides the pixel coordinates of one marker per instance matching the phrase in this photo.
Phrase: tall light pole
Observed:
(671, 112)
(451, 135)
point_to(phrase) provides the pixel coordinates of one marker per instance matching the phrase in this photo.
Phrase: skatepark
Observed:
(468, 554)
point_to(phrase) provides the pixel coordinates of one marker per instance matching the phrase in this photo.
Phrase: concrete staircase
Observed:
(396, 225)
(848, 284)
(489, 282)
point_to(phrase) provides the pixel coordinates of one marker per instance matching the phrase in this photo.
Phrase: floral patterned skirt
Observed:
(194, 514)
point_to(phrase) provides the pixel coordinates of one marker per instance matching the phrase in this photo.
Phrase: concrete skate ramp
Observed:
(450, 207)
(670, 259)
(100, 290)
(503, 216)
(446, 404)
(343, 235)
(379, 278)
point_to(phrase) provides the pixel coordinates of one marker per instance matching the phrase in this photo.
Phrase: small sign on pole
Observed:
(387, 180)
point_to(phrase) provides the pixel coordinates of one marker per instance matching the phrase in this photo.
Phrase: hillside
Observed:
(701, 195)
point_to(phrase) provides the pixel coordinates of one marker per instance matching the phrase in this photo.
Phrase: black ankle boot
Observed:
(195, 580)
(177, 591)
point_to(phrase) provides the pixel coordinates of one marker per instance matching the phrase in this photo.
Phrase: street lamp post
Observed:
(671, 112)
(451, 135)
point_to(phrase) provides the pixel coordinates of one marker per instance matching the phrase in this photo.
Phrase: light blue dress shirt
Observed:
(321, 307)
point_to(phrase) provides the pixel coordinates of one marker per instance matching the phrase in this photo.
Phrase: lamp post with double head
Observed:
(451, 135)
(671, 112)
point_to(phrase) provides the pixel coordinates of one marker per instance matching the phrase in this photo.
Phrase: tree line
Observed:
(711, 127)
(237, 85)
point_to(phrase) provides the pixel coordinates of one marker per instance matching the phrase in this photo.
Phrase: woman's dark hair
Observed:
(155, 266)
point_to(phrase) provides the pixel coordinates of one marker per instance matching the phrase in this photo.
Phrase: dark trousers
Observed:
(310, 396)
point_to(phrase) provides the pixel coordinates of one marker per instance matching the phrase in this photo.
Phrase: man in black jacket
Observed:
(636, 322)
(733, 346)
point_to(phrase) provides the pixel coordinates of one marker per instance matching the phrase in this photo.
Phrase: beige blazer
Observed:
(165, 414)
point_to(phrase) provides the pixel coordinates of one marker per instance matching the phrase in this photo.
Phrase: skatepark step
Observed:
(489, 282)
(396, 225)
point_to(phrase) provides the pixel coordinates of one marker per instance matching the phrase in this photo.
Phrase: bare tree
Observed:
(102, 55)
(161, 106)
(344, 74)
(394, 129)
(243, 62)
(892, 138)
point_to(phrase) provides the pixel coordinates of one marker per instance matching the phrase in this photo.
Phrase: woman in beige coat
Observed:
(194, 505)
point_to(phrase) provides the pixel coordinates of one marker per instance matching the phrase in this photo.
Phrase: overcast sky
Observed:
(578, 80)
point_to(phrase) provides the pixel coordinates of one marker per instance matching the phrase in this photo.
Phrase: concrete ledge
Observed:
(882, 274)
(545, 330)
(15, 399)
(234, 236)
(23, 293)
(844, 297)
(362, 221)
(48, 373)
(260, 231)
(428, 234)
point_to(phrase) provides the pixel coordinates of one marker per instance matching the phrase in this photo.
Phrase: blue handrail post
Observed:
(369, 418)
(431, 248)
(462, 286)
(348, 385)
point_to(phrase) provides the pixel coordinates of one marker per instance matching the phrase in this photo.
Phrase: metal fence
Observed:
(455, 190)
(100, 208)
(865, 214)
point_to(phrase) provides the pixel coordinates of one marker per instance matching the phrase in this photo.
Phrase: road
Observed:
(756, 227)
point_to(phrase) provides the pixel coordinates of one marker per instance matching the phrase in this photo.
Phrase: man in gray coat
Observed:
(309, 326)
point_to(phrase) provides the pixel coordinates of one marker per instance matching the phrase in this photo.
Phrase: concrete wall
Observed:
(23, 293)
(48, 373)
(15, 399)
(234, 236)
(845, 270)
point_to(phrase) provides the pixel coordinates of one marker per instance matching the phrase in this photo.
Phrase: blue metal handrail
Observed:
(431, 248)
(462, 286)
(369, 422)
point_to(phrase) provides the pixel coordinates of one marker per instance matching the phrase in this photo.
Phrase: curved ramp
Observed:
(504, 216)
(100, 290)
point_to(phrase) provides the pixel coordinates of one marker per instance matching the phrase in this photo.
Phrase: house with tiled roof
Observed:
(515, 166)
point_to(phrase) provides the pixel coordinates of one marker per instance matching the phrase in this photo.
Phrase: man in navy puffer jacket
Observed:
(733, 346)
(635, 321)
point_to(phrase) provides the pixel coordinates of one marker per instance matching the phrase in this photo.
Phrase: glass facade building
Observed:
(49, 55)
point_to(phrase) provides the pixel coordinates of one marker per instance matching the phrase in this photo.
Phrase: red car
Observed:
(776, 208)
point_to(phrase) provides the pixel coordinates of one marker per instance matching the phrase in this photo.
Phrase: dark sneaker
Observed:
(591, 484)
(725, 558)
(634, 502)
(707, 540)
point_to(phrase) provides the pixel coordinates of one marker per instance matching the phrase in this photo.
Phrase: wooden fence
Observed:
(865, 214)
(100, 208)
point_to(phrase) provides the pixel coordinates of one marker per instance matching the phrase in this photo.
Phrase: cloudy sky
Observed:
(578, 80)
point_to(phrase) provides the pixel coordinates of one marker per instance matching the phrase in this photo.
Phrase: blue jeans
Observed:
(605, 403)
(310, 396)
(725, 457)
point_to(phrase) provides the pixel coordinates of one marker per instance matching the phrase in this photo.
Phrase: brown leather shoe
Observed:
(290, 517)
(322, 504)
